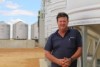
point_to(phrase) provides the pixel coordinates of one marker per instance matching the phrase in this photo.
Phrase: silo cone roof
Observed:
(34, 24)
(20, 22)
(2, 22)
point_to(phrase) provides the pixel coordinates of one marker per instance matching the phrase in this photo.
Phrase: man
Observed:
(65, 45)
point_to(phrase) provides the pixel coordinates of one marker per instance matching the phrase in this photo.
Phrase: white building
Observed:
(20, 30)
(4, 30)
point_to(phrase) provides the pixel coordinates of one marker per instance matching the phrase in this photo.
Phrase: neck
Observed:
(62, 32)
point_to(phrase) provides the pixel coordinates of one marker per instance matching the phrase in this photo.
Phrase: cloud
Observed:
(18, 12)
(2, 1)
(22, 12)
(11, 5)
(15, 10)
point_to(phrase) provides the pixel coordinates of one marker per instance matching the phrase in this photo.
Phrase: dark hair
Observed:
(62, 14)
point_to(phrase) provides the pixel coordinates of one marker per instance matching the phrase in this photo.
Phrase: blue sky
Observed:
(15, 10)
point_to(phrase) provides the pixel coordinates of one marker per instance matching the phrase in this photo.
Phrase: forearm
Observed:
(51, 57)
(77, 54)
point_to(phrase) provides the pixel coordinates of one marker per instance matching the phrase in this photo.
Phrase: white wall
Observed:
(17, 44)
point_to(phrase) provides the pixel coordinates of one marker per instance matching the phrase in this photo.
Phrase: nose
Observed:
(62, 22)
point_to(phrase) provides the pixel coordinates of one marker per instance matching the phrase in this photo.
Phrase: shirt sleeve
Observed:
(78, 39)
(48, 45)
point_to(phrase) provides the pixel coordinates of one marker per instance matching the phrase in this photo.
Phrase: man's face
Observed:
(62, 23)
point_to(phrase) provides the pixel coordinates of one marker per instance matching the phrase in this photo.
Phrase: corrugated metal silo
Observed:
(20, 30)
(34, 31)
(4, 30)
(52, 8)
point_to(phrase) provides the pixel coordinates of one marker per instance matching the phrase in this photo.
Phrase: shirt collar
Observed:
(65, 33)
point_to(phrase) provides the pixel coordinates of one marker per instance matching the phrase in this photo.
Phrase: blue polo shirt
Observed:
(64, 46)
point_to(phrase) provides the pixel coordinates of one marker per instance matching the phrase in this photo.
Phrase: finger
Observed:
(62, 61)
(65, 59)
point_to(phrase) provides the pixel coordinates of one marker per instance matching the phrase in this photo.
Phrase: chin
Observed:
(62, 28)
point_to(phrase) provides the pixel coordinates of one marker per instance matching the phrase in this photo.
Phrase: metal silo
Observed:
(4, 30)
(34, 31)
(52, 8)
(20, 30)
(83, 15)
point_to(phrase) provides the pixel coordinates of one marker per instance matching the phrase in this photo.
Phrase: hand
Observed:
(60, 61)
(66, 62)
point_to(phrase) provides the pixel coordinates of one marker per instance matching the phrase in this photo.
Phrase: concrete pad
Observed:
(43, 63)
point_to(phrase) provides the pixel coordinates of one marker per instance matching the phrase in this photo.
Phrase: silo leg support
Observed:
(84, 48)
(94, 54)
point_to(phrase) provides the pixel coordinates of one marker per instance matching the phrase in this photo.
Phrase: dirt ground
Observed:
(20, 57)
